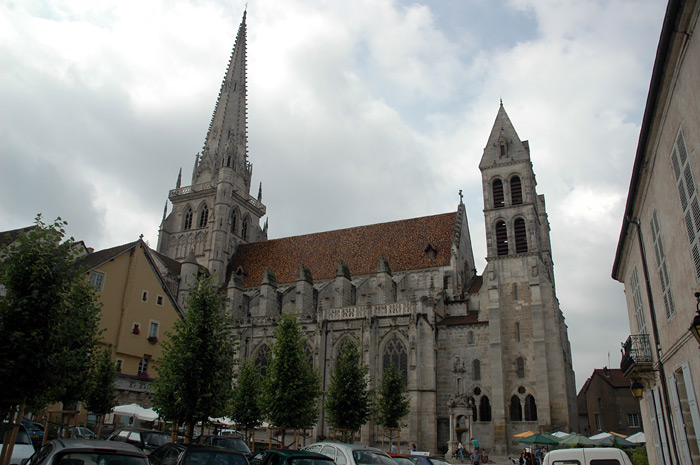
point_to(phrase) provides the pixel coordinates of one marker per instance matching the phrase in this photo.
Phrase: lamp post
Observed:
(695, 325)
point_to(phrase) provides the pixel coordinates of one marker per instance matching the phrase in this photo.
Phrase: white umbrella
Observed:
(638, 438)
(560, 434)
(222, 421)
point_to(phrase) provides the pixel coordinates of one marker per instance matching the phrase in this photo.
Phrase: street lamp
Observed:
(695, 325)
(637, 389)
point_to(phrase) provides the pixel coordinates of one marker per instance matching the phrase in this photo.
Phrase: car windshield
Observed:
(438, 461)
(368, 457)
(156, 439)
(403, 461)
(93, 458)
(22, 436)
(309, 461)
(210, 457)
(233, 444)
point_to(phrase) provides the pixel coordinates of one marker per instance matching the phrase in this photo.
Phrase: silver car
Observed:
(351, 454)
(87, 452)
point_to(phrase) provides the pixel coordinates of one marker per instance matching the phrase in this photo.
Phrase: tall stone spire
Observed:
(226, 143)
(504, 145)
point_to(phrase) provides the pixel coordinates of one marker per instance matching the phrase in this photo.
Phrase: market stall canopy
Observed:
(576, 439)
(136, 411)
(611, 439)
(539, 439)
(560, 434)
(524, 435)
(637, 438)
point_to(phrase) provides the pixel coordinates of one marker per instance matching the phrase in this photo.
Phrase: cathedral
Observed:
(483, 355)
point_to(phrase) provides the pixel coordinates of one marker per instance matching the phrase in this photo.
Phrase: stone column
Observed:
(451, 444)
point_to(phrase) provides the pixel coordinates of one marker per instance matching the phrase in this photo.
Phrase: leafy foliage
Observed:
(244, 408)
(102, 395)
(291, 387)
(196, 371)
(348, 403)
(393, 402)
(48, 319)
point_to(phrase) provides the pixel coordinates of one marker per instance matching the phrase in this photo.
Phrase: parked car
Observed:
(23, 445)
(351, 454)
(176, 453)
(145, 439)
(588, 456)
(35, 430)
(401, 459)
(424, 458)
(228, 442)
(87, 451)
(290, 457)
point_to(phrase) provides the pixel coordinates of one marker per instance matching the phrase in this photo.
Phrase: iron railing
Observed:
(635, 350)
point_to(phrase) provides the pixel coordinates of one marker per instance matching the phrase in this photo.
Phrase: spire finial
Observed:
(179, 179)
(165, 209)
(260, 192)
(460, 196)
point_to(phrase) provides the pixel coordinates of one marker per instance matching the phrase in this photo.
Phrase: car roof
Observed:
(349, 446)
(97, 444)
(297, 453)
(197, 446)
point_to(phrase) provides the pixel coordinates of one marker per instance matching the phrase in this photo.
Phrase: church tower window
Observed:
(234, 219)
(476, 370)
(204, 216)
(498, 198)
(520, 236)
(516, 411)
(516, 191)
(484, 409)
(395, 353)
(188, 219)
(530, 408)
(520, 362)
(244, 229)
(501, 238)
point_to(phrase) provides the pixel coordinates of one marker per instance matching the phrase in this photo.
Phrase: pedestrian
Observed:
(538, 457)
(414, 447)
(460, 452)
(475, 442)
(476, 457)
(394, 449)
(521, 461)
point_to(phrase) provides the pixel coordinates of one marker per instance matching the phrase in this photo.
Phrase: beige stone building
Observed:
(658, 254)
(484, 355)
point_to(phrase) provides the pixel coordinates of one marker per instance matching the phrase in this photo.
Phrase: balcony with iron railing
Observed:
(636, 355)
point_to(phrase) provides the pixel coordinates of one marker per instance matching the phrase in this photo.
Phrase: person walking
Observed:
(476, 457)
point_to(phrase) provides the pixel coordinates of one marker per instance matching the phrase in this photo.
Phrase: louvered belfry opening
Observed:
(498, 199)
(516, 190)
(520, 236)
(501, 238)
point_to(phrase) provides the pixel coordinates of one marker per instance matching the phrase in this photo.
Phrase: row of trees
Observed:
(195, 376)
(49, 330)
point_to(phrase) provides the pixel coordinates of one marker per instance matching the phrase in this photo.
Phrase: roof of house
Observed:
(8, 237)
(415, 243)
(613, 376)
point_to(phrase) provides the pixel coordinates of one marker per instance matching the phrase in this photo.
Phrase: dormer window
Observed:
(430, 251)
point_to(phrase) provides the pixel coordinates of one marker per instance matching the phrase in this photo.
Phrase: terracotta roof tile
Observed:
(403, 243)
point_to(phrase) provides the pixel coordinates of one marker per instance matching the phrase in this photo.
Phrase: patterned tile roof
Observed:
(8, 237)
(403, 243)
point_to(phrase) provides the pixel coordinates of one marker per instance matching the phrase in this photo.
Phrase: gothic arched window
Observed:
(530, 408)
(234, 219)
(204, 216)
(520, 362)
(244, 228)
(476, 370)
(484, 409)
(395, 353)
(516, 412)
(516, 191)
(262, 359)
(470, 337)
(188, 219)
(520, 236)
(498, 198)
(501, 238)
(470, 401)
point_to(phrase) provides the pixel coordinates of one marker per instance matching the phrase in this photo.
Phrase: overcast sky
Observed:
(360, 112)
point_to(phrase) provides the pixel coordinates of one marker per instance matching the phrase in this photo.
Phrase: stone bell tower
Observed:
(216, 213)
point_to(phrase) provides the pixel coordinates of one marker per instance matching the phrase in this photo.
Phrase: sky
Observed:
(359, 112)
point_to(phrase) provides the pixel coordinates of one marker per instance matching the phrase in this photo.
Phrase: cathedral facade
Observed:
(483, 355)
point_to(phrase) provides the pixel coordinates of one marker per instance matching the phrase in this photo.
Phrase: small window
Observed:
(188, 219)
(520, 236)
(244, 229)
(498, 198)
(159, 300)
(597, 422)
(476, 370)
(144, 296)
(97, 280)
(120, 362)
(143, 365)
(470, 337)
(633, 420)
(153, 329)
(204, 216)
(136, 329)
(501, 238)
(520, 362)
(516, 191)
(517, 331)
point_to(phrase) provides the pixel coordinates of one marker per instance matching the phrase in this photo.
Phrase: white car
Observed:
(587, 456)
(23, 446)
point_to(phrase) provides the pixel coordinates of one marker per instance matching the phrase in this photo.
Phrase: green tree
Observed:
(348, 402)
(196, 371)
(49, 320)
(291, 387)
(102, 396)
(393, 402)
(244, 408)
